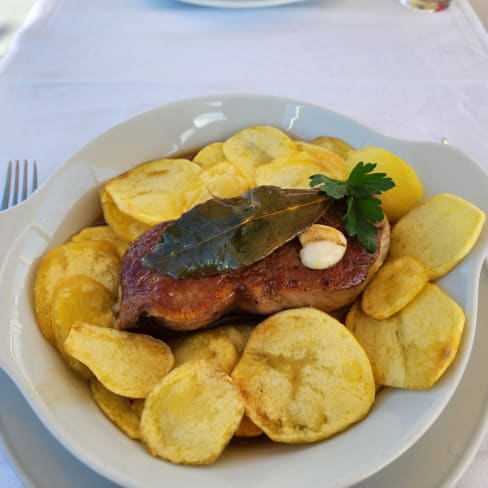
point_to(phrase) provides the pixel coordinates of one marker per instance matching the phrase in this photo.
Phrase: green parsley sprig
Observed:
(363, 208)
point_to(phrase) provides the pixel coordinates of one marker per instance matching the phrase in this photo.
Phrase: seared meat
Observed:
(274, 283)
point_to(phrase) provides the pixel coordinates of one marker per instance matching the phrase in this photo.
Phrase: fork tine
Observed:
(34, 177)
(24, 181)
(13, 192)
(6, 193)
(16, 183)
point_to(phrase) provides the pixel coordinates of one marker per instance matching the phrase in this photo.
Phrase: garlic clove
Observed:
(320, 232)
(322, 246)
(321, 254)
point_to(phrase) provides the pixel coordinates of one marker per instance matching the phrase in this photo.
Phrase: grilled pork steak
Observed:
(274, 283)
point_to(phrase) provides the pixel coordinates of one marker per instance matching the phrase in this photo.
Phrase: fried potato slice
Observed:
(289, 172)
(225, 180)
(124, 226)
(117, 408)
(295, 170)
(408, 188)
(191, 415)
(332, 164)
(439, 232)
(137, 404)
(79, 298)
(211, 345)
(247, 428)
(395, 285)
(219, 173)
(380, 341)
(96, 259)
(210, 155)
(257, 145)
(304, 377)
(414, 347)
(102, 233)
(126, 363)
(238, 332)
(334, 144)
(157, 190)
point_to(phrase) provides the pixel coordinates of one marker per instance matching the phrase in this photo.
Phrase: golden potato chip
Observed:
(102, 233)
(124, 226)
(126, 363)
(95, 233)
(224, 180)
(257, 145)
(408, 188)
(117, 408)
(238, 177)
(96, 259)
(79, 298)
(191, 415)
(380, 341)
(304, 377)
(394, 286)
(289, 172)
(247, 428)
(414, 347)
(238, 331)
(211, 345)
(137, 404)
(210, 155)
(439, 232)
(332, 165)
(334, 144)
(158, 190)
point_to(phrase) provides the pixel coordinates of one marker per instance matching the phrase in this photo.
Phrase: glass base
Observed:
(426, 5)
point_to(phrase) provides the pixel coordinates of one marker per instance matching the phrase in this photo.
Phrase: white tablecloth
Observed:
(77, 68)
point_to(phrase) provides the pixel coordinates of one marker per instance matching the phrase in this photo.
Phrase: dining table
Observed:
(71, 70)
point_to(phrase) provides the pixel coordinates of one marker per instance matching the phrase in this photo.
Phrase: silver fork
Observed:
(17, 187)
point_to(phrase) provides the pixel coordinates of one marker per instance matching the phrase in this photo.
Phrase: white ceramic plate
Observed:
(240, 3)
(68, 201)
(436, 460)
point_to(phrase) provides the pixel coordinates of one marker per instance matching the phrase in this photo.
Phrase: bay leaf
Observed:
(226, 234)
